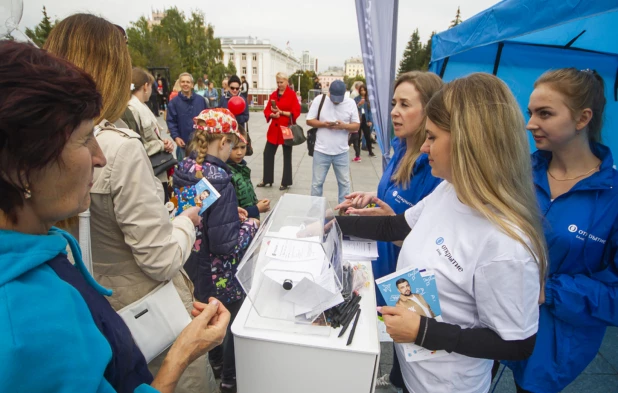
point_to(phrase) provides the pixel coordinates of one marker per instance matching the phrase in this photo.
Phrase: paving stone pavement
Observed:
(601, 376)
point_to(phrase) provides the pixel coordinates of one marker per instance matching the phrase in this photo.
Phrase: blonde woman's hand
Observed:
(401, 324)
(358, 199)
(193, 213)
(382, 209)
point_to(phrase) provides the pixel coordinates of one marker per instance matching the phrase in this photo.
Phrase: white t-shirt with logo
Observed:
(485, 279)
(333, 142)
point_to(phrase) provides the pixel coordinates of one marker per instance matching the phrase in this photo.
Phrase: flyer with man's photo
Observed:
(415, 290)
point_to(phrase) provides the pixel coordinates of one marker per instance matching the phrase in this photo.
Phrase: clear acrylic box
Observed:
(292, 270)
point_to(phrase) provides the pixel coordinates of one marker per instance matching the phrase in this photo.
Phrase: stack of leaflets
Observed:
(203, 194)
(415, 290)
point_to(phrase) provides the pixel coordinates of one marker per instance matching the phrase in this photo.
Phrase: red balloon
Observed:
(236, 105)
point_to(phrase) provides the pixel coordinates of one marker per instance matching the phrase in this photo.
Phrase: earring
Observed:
(27, 193)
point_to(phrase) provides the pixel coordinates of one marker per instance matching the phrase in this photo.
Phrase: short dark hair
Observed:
(232, 79)
(44, 99)
(401, 281)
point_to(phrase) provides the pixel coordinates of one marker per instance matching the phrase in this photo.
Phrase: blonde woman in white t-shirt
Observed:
(479, 231)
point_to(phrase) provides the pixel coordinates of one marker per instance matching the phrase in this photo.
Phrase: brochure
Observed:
(417, 291)
(203, 195)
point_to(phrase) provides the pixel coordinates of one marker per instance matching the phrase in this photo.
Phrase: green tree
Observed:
(427, 53)
(42, 30)
(414, 54)
(350, 81)
(231, 68)
(306, 81)
(181, 44)
(457, 19)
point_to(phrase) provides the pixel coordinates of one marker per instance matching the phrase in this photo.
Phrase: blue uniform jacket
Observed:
(180, 113)
(581, 228)
(422, 183)
(243, 117)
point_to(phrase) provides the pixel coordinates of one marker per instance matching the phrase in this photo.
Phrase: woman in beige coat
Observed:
(135, 247)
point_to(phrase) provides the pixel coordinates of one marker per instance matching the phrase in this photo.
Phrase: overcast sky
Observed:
(327, 28)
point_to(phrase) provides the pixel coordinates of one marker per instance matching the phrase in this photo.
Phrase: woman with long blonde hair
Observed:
(479, 232)
(135, 247)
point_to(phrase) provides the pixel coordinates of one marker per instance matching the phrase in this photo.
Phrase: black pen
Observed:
(347, 320)
(353, 327)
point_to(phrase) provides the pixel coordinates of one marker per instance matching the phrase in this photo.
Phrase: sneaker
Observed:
(372, 155)
(216, 370)
(356, 159)
(384, 385)
(227, 388)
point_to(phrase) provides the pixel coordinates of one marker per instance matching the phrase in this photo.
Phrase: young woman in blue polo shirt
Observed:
(577, 189)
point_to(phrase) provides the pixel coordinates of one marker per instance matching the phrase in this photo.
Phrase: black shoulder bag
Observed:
(312, 133)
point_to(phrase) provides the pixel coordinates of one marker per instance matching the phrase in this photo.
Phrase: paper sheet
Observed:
(294, 250)
(360, 249)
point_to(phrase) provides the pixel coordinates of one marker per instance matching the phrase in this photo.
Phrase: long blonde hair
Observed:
(490, 157)
(427, 84)
(99, 48)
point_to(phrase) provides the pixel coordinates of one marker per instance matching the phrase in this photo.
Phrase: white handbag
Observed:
(156, 320)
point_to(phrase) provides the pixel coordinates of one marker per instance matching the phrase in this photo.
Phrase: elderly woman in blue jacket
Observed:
(577, 189)
(57, 331)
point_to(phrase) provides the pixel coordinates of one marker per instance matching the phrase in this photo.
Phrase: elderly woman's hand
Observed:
(206, 331)
(275, 115)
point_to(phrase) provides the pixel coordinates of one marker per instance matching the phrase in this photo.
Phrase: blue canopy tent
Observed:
(518, 40)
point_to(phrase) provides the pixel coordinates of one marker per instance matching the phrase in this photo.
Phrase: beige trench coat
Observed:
(135, 246)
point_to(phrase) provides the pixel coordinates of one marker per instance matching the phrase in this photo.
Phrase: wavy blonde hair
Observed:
(427, 84)
(99, 48)
(490, 157)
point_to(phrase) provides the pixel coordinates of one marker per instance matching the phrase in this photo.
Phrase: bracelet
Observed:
(424, 332)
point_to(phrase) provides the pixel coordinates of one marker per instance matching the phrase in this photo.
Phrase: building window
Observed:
(255, 57)
(254, 70)
(244, 70)
(254, 84)
(244, 56)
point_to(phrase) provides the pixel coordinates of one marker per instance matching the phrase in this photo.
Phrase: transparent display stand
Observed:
(292, 272)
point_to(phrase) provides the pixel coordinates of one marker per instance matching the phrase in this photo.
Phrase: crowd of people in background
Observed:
(80, 131)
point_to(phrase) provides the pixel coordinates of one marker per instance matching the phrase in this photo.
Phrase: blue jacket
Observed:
(581, 293)
(422, 183)
(365, 107)
(243, 117)
(222, 240)
(212, 94)
(180, 113)
(57, 332)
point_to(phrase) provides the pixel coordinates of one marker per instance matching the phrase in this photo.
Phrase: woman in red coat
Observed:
(285, 111)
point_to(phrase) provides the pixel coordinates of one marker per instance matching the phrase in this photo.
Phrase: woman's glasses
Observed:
(234, 88)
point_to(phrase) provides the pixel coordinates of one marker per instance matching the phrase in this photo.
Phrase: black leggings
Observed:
(223, 355)
(356, 138)
(269, 164)
(494, 371)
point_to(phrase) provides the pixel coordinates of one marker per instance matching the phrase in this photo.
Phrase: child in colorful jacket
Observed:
(226, 232)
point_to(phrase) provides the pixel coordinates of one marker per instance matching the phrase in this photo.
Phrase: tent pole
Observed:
(498, 55)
